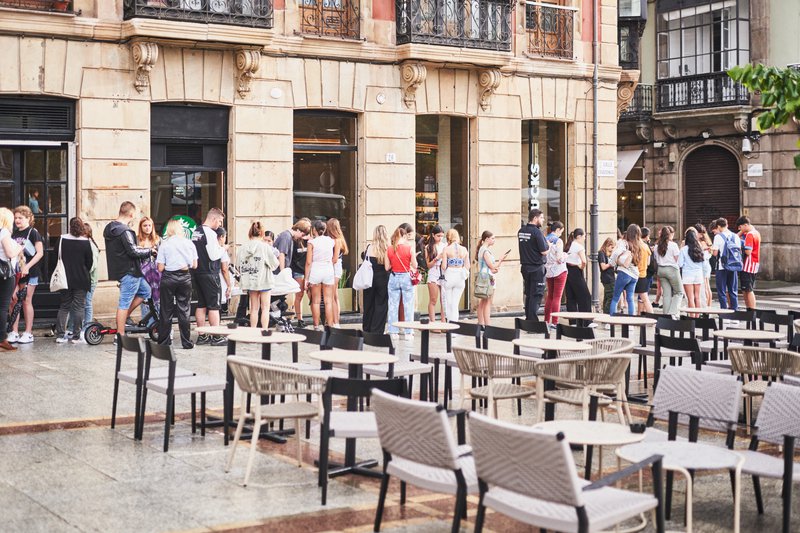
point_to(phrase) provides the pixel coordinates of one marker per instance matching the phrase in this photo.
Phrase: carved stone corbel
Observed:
(644, 131)
(145, 55)
(247, 63)
(489, 80)
(741, 123)
(626, 87)
(413, 75)
(670, 130)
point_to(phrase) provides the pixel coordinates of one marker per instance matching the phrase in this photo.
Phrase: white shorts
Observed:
(321, 273)
(337, 269)
(693, 279)
(435, 275)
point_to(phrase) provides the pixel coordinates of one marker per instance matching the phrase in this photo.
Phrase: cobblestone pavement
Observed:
(64, 469)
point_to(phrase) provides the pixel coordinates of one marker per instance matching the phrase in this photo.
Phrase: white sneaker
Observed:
(78, 340)
(13, 337)
(25, 338)
(592, 325)
(395, 336)
(62, 339)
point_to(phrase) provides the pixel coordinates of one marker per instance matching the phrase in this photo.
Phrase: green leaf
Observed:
(797, 161)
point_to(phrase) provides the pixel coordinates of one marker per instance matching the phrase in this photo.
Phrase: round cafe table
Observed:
(224, 330)
(749, 337)
(707, 312)
(425, 340)
(626, 321)
(581, 318)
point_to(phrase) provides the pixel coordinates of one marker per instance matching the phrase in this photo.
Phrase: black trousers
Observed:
(376, 301)
(176, 300)
(7, 287)
(578, 296)
(73, 302)
(534, 291)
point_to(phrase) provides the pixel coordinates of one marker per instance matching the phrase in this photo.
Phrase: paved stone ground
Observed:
(64, 469)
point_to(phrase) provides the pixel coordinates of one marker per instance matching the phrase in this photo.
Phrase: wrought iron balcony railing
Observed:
(641, 106)
(330, 18)
(550, 30)
(60, 6)
(484, 24)
(700, 91)
(255, 13)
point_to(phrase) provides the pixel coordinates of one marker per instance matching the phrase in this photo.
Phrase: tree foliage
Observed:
(780, 93)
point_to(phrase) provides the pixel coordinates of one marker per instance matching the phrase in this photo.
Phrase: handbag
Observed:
(363, 278)
(58, 281)
(6, 270)
(413, 273)
(483, 285)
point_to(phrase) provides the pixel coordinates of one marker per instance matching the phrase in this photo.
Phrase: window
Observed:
(544, 157)
(333, 18)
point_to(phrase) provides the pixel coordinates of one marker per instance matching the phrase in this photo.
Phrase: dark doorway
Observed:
(711, 178)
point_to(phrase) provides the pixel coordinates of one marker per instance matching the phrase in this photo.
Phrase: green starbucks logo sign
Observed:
(187, 223)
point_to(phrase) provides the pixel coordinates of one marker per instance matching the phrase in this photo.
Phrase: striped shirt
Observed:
(752, 242)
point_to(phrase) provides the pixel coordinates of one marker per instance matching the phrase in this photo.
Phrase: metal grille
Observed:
(33, 117)
(178, 155)
(550, 30)
(704, 90)
(711, 185)
(641, 105)
(330, 18)
(483, 24)
(256, 13)
(39, 5)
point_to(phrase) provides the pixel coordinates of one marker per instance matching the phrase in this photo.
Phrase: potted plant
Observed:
(345, 292)
(61, 5)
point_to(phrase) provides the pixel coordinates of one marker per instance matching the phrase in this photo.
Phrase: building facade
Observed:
(689, 147)
(465, 114)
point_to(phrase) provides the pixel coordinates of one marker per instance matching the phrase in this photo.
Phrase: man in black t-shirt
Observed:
(533, 248)
(33, 246)
(205, 277)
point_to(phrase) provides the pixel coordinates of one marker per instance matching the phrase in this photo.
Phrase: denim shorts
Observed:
(33, 281)
(131, 287)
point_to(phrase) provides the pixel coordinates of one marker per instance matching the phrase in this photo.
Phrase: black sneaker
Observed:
(218, 340)
(188, 346)
(203, 339)
(301, 323)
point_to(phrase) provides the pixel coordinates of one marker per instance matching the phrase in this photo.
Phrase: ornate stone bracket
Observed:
(489, 80)
(145, 55)
(670, 130)
(413, 75)
(644, 131)
(741, 123)
(628, 81)
(247, 63)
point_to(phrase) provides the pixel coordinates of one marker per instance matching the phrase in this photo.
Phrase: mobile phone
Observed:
(508, 252)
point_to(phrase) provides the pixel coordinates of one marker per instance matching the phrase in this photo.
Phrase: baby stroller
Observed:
(279, 316)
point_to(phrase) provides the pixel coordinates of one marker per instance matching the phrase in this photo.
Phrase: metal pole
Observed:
(594, 210)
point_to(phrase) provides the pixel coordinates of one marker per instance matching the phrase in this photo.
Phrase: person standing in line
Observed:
(76, 255)
(256, 263)
(607, 275)
(727, 248)
(578, 296)
(532, 251)
(401, 260)
(434, 252)
(626, 256)
(205, 278)
(33, 247)
(9, 251)
(177, 256)
(667, 254)
(148, 238)
(334, 230)
(691, 262)
(752, 255)
(320, 278)
(487, 263)
(643, 283)
(417, 244)
(555, 273)
(88, 314)
(705, 244)
(456, 271)
(376, 298)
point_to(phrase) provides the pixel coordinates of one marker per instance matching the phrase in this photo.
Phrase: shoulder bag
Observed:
(484, 288)
(58, 281)
(363, 278)
(413, 273)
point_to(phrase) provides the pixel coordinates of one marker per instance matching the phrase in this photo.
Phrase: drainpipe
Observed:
(594, 219)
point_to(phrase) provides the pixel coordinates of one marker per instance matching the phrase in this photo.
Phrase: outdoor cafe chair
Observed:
(577, 333)
(400, 369)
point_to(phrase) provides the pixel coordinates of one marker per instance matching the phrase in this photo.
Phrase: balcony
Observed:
(58, 6)
(253, 13)
(549, 30)
(330, 18)
(482, 24)
(700, 91)
(641, 107)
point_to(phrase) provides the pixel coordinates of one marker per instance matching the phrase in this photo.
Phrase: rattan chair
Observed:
(493, 366)
(530, 476)
(400, 369)
(262, 379)
(419, 448)
(604, 346)
(583, 376)
(759, 367)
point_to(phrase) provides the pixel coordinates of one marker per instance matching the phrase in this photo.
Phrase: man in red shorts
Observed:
(752, 250)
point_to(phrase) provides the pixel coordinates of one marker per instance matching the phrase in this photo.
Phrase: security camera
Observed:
(659, 144)
(747, 146)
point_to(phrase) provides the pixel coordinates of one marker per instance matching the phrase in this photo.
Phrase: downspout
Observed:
(594, 210)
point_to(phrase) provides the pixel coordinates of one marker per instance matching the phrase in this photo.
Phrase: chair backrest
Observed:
(779, 414)
(676, 328)
(130, 344)
(776, 321)
(498, 334)
(532, 462)
(481, 363)
(379, 340)
(469, 329)
(362, 388)
(574, 332)
(350, 332)
(344, 342)
(589, 371)
(263, 378)
(654, 316)
(536, 327)
(748, 317)
(766, 362)
(414, 430)
(666, 342)
(608, 346)
(713, 398)
(161, 351)
(313, 336)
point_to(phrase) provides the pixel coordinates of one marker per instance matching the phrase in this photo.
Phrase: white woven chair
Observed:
(604, 346)
(261, 379)
(419, 448)
(493, 366)
(530, 475)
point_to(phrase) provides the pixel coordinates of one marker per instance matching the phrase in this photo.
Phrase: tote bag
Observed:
(58, 281)
(363, 278)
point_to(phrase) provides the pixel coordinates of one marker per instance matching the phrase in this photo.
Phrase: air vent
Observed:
(37, 118)
(183, 155)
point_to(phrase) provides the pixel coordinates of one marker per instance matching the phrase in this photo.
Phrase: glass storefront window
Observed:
(630, 200)
(190, 193)
(544, 163)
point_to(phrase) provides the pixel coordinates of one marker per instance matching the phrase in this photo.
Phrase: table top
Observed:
(748, 334)
(626, 320)
(682, 454)
(560, 345)
(254, 336)
(431, 326)
(576, 315)
(352, 357)
(225, 330)
(706, 310)
(592, 433)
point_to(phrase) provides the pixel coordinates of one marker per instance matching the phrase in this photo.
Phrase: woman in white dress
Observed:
(320, 276)
(456, 270)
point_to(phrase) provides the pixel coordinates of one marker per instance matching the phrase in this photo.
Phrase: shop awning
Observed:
(625, 162)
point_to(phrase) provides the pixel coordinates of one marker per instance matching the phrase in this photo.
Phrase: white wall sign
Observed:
(755, 170)
(605, 168)
(533, 186)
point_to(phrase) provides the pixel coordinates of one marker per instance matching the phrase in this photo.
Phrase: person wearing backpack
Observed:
(728, 248)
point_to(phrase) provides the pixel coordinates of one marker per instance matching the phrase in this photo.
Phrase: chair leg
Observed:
(668, 495)
(480, 517)
(757, 490)
(238, 434)
(203, 414)
(644, 364)
(168, 420)
(461, 500)
(114, 406)
(381, 501)
(411, 387)
(324, 441)
(297, 438)
(403, 492)
(194, 413)
(253, 440)
(141, 412)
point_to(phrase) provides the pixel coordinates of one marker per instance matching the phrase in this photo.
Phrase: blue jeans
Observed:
(131, 287)
(727, 282)
(625, 283)
(400, 288)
